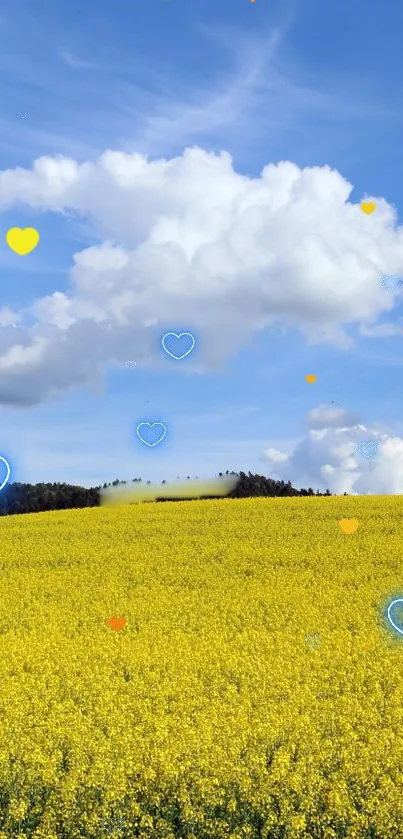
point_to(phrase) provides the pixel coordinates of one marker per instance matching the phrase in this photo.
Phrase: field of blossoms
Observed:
(255, 690)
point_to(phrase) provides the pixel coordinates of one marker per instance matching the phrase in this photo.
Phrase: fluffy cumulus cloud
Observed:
(329, 457)
(330, 416)
(190, 242)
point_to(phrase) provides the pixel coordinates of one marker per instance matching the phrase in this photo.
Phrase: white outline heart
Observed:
(8, 472)
(393, 603)
(386, 284)
(371, 443)
(151, 425)
(181, 335)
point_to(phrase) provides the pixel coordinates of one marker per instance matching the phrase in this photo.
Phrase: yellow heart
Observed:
(368, 207)
(22, 241)
(349, 525)
(310, 379)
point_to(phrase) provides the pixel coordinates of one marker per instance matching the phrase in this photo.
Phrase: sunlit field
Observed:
(255, 690)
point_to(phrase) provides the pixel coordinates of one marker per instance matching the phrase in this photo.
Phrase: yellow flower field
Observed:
(212, 714)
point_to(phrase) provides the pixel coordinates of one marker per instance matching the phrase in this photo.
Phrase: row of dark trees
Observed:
(36, 498)
(251, 486)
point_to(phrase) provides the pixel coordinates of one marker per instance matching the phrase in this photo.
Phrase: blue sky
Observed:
(264, 82)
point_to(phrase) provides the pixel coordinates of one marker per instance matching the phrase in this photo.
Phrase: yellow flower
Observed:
(210, 710)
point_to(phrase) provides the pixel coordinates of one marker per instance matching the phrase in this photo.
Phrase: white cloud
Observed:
(275, 456)
(329, 458)
(191, 242)
(330, 416)
(380, 330)
(8, 317)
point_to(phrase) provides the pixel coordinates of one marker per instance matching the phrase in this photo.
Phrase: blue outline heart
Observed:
(385, 281)
(393, 603)
(176, 335)
(8, 472)
(373, 444)
(151, 425)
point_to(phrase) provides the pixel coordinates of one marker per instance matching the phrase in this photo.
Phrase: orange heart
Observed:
(368, 207)
(117, 623)
(310, 379)
(349, 525)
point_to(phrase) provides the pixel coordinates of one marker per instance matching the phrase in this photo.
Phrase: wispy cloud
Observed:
(77, 63)
(256, 96)
(380, 330)
(249, 93)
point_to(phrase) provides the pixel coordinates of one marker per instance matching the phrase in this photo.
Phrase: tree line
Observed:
(36, 498)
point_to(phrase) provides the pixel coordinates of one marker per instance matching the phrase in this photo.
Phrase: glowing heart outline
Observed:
(371, 445)
(390, 282)
(393, 603)
(312, 640)
(151, 425)
(3, 459)
(176, 335)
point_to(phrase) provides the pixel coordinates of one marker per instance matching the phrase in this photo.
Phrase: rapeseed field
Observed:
(255, 690)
